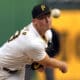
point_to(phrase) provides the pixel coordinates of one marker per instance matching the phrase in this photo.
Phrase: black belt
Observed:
(10, 71)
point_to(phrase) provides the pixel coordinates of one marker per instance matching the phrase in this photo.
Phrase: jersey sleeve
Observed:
(37, 51)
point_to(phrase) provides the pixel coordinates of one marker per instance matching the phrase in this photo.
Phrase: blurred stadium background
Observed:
(15, 14)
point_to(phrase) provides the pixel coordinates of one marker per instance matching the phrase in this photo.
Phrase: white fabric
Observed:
(48, 35)
(24, 49)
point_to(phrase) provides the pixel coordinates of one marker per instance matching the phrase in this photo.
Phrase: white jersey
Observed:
(23, 48)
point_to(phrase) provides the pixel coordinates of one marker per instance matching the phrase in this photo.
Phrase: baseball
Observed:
(55, 12)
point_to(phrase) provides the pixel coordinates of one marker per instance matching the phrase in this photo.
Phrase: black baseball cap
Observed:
(40, 10)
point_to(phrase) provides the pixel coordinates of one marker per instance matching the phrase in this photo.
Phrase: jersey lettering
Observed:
(14, 36)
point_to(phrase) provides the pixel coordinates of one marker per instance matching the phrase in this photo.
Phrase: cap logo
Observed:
(43, 7)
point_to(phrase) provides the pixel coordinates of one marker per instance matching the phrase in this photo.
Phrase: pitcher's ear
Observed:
(34, 21)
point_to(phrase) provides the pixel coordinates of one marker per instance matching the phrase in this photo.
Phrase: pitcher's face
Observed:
(44, 22)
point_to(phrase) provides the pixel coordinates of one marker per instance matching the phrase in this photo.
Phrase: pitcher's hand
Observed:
(63, 67)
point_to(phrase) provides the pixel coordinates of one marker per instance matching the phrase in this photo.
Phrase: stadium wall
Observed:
(68, 25)
(14, 14)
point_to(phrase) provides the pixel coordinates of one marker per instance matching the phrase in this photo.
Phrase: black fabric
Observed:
(35, 66)
(10, 71)
(40, 10)
(54, 46)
